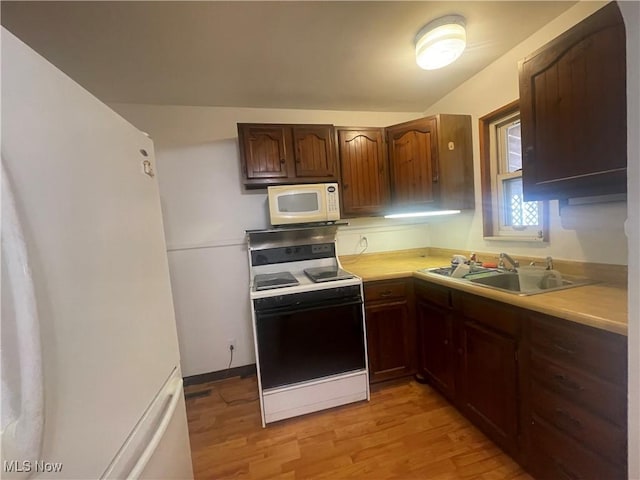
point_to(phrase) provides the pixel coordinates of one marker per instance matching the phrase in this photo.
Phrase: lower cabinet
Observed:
(550, 392)
(436, 347)
(577, 400)
(390, 329)
(489, 390)
(489, 367)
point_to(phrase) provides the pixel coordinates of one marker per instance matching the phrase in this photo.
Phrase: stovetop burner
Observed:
(327, 274)
(265, 281)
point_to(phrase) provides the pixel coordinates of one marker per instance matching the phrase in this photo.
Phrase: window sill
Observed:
(514, 238)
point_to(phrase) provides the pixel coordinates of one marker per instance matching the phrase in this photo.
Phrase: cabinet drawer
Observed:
(597, 434)
(600, 397)
(599, 352)
(499, 316)
(385, 290)
(556, 456)
(434, 293)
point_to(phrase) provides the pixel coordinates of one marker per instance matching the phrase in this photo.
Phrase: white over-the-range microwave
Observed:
(308, 203)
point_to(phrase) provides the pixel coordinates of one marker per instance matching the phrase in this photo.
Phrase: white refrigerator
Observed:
(91, 382)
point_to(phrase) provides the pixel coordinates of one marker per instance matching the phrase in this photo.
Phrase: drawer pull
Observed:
(563, 349)
(567, 419)
(564, 470)
(386, 293)
(563, 381)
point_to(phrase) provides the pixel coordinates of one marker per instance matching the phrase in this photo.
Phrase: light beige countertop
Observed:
(602, 305)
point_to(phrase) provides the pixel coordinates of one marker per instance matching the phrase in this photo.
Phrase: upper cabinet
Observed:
(422, 164)
(573, 111)
(275, 154)
(431, 163)
(364, 168)
(417, 165)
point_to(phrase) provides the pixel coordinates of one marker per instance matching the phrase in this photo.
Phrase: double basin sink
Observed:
(517, 283)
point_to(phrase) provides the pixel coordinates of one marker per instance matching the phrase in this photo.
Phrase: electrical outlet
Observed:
(231, 344)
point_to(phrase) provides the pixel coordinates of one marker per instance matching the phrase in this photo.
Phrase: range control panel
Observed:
(294, 253)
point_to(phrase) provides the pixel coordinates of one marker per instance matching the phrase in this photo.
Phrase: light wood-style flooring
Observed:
(406, 431)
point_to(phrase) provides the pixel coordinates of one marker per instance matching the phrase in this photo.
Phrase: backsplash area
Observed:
(371, 235)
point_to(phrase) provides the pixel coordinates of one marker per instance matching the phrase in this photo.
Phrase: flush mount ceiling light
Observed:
(440, 42)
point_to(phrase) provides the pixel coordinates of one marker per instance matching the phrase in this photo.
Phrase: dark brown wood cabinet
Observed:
(551, 393)
(489, 369)
(436, 344)
(468, 350)
(577, 398)
(431, 163)
(364, 169)
(573, 111)
(277, 154)
(390, 329)
(413, 153)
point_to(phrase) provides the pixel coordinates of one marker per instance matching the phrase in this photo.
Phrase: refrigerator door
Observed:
(159, 445)
(93, 228)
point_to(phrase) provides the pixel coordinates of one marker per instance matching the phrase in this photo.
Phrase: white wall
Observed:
(631, 13)
(206, 211)
(592, 233)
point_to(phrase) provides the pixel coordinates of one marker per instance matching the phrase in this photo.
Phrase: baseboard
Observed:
(242, 371)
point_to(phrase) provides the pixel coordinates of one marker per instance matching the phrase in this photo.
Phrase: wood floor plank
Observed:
(407, 431)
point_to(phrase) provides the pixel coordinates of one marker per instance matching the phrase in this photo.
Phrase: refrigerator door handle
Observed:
(149, 450)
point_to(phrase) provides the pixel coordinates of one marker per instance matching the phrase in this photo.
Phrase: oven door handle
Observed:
(308, 306)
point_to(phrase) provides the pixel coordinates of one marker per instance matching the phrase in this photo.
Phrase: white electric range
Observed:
(308, 323)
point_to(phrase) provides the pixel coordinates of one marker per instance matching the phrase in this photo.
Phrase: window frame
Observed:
(489, 183)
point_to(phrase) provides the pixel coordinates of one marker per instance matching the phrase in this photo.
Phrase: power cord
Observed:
(233, 402)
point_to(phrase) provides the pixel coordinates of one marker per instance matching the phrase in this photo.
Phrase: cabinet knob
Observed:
(282, 160)
(567, 419)
(565, 382)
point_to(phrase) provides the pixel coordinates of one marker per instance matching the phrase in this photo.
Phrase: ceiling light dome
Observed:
(440, 42)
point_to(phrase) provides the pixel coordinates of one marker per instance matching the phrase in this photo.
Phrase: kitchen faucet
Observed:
(514, 263)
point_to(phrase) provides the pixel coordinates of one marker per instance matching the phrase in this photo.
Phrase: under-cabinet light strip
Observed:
(431, 213)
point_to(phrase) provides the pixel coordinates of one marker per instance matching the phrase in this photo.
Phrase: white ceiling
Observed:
(293, 54)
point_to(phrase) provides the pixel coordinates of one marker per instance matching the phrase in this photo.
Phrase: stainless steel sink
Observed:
(510, 282)
(476, 272)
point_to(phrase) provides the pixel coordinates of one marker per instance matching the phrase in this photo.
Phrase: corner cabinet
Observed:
(364, 169)
(390, 329)
(277, 154)
(431, 163)
(573, 111)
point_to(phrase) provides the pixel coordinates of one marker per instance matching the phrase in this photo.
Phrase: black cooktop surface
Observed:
(265, 281)
(327, 274)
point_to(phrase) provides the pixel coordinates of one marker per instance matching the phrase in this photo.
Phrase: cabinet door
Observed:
(389, 340)
(436, 352)
(364, 171)
(264, 150)
(489, 390)
(573, 111)
(413, 156)
(314, 151)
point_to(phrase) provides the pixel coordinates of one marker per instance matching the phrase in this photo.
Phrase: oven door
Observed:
(309, 336)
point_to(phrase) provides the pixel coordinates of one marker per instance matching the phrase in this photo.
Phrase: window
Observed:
(505, 213)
